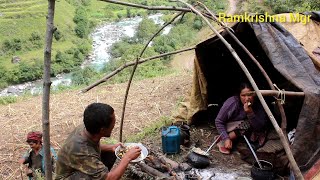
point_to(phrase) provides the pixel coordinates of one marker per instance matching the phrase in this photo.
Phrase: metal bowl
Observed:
(143, 155)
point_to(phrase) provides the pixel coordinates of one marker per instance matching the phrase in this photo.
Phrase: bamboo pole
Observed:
(283, 139)
(276, 93)
(264, 73)
(46, 90)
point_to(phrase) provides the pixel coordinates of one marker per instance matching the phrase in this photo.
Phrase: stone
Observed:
(15, 59)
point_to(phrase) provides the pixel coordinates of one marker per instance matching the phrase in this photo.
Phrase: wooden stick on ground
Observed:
(283, 139)
(151, 171)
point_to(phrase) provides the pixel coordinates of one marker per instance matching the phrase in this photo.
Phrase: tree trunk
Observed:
(46, 90)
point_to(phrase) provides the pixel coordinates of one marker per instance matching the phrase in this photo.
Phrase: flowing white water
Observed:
(103, 37)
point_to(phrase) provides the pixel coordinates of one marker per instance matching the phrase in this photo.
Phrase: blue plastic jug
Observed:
(170, 140)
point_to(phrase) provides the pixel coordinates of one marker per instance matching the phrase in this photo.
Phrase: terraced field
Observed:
(20, 18)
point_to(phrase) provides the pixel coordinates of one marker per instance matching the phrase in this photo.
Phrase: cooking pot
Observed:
(197, 160)
(264, 173)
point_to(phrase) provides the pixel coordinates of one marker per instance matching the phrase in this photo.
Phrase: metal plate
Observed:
(143, 155)
(199, 151)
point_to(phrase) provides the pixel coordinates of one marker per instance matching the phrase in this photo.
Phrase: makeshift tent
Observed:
(290, 54)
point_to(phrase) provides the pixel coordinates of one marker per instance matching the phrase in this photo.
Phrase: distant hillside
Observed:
(23, 26)
(20, 18)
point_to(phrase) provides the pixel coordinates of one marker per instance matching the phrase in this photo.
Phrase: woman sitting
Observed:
(240, 115)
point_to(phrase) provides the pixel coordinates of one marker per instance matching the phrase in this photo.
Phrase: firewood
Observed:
(155, 161)
(151, 171)
(173, 164)
(168, 166)
(149, 163)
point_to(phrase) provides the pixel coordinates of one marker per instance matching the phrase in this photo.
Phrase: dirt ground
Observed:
(201, 136)
(148, 101)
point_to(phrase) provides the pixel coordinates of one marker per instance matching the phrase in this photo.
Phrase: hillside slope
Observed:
(148, 101)
(19, 19)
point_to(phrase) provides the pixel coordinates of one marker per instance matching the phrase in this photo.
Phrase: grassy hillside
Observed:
(20, 18)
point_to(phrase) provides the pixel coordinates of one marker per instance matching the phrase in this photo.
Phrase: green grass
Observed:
(8, 100)
(21, 4)
(21, 18)
(150, 130)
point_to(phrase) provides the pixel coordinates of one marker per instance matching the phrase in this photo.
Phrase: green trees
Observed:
(82, 22)
(3, 77)
(281, 6)
(83, 76)
(26, 72)
(12, 46)
(145, 30)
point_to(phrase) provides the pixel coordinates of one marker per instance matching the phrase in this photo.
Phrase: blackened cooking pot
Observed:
(197, 160)
(266, 173)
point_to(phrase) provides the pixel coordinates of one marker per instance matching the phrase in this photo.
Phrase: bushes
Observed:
(83, 76)
(281, 6)
(146, 29)
(82, 22)
(26, 72)
(57, 35)
(69, 60)
(3, 77)
(11, 46)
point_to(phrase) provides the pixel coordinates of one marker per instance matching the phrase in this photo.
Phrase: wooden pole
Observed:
(46, 90)
(283, 139)
(277, 93)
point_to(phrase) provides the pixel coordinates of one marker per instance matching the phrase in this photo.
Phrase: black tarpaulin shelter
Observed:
(290, 54)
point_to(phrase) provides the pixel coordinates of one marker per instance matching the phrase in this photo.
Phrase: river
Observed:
(102, 37)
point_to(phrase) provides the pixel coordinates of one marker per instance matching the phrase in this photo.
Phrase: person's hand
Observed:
(132, 153)
(115, 146)
(228, 144)
(29, 172)
(248, 107)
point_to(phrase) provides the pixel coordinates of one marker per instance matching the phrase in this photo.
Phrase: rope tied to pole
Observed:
(281, 96)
